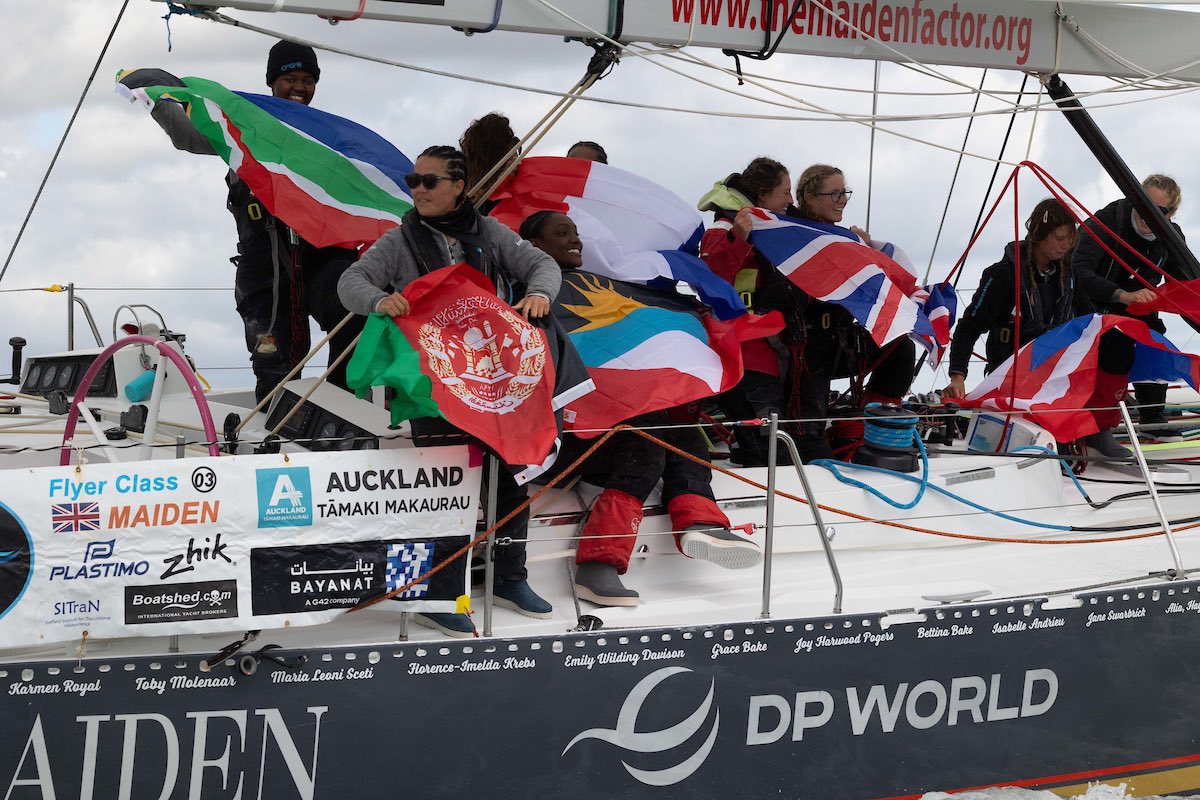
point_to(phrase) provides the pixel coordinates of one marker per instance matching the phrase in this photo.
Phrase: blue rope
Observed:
(832, 466)
(1066, 468)
(895, 437)
(173, 8)
(896, 434)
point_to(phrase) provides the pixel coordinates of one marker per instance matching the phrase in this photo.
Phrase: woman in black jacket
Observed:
(1102, 277)
(1050, 296)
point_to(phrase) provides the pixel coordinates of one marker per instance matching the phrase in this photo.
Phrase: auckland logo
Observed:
(626, 736)
(284, 497)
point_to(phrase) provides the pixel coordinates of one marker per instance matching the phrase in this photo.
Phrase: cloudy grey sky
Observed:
(135, 221)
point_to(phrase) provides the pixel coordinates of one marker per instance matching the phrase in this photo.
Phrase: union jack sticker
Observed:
(75, 517)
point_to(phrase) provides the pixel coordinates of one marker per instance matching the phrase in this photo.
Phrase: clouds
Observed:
(123, 209)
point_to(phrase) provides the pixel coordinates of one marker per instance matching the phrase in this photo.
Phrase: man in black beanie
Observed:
(292, 72)
(281, 279)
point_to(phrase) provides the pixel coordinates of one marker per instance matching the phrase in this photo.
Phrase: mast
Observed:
(1126, 181)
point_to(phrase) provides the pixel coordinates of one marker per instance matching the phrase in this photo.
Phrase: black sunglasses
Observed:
(1166, 212)
(428, 180)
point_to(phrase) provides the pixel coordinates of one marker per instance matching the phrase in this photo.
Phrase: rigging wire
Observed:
(62, 141)
(954, 179)
(871, 158)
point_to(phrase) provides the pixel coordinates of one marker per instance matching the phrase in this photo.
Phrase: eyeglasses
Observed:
(1166, 212)
(428, 180)
(840, 194)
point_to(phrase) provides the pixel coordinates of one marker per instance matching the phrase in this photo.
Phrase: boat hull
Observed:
(852, 706)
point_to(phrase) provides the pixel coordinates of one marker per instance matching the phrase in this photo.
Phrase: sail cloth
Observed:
(632, 229)
(832, 264)
(1053, 376)
(647, 349)
(332, 181)
(464, 355)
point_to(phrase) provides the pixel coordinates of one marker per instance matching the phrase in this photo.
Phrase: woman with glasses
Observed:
(1113, 287)
(764, 183)
(832, 345)
(441, 229)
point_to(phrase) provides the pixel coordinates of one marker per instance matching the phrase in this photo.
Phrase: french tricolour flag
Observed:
(632, 229)
(832, 264)
(332, 181)
(1053, 376)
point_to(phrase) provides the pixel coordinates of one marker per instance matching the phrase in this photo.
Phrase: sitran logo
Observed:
(626, 736)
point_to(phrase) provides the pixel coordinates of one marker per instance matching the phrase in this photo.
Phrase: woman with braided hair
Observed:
(1050, 296)
(441, 229)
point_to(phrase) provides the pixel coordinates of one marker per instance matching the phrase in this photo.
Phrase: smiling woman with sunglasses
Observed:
(441, 229)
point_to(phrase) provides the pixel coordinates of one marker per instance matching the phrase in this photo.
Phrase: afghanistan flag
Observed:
(647, 350)
(632, 229)
(332, 181)
(464, 355)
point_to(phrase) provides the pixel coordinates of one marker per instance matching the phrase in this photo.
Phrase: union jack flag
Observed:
(881, 291)
(75, 517)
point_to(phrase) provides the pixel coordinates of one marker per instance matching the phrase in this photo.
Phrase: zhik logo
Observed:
(626, 737)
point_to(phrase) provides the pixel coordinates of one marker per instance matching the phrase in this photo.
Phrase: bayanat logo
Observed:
(16, 559)
(626, 736)
(284, 497)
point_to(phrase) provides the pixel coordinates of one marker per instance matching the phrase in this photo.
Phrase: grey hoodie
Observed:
(389, 265)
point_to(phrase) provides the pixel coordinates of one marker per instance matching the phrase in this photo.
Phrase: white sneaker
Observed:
(721, 546)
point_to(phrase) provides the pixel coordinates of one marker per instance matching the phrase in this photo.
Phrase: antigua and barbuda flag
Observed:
(831, 263)
(647, 349)
(1052, 378)
(463, 354)
(632, 229)
(332, 181)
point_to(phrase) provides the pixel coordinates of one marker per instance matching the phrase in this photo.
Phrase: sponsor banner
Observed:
(831, 707)
(234, 543)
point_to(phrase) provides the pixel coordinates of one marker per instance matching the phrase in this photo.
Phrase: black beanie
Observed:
(287, 56)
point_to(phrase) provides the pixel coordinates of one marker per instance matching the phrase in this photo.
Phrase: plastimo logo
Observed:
(626, 736)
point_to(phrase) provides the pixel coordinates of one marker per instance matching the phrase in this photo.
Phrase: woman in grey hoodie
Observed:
(444, 228)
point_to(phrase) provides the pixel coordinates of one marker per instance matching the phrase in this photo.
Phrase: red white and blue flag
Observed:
(75, 517)
(632, 229)
(832, 264)
(1053, 377)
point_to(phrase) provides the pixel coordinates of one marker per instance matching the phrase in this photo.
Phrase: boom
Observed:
(1026, 35)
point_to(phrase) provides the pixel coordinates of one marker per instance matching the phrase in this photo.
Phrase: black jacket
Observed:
(1046, 302)
(1099, 276)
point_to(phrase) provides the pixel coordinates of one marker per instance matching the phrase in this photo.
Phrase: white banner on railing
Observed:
(245, 542)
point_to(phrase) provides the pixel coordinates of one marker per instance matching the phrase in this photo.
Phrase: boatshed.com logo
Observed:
(284, 497)
(16, 559)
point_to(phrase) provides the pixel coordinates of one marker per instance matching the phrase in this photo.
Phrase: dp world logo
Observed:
(284, 497)
(626, 736)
